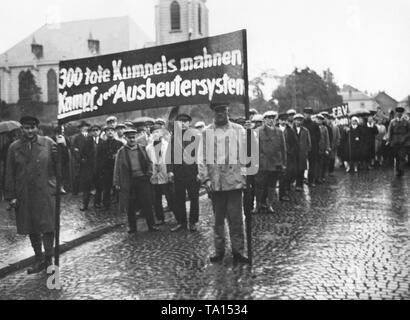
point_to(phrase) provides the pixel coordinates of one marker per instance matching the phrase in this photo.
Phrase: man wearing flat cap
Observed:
(290, 114)
(183, 173)
(314, 133)
(224, 178)
(30, 175)
(272, 161)
(324, 149)
(289, 174)
(132, 173)
(119, 132)
(304, 147)
(106, 152)
(140, 125)
(90, 177)
(398, 137)
(78, 143)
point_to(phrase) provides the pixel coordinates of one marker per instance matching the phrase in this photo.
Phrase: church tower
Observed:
(180, 20)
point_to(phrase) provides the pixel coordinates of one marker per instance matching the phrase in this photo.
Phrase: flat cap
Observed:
(183, 117)
(83, 124)
(160, 121)
(29, 120)
(105, 128)
(399, 109)
(257, 117)
(199, 124)
(320, 117)
(291, 112)
(94, 126)
(283, 116)
(308, 110)
(299, 116)
(120, 126)
(270, 113)
(219, 105)
(111, 118)
(130, 131)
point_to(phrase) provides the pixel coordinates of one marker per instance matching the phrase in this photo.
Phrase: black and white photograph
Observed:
(217, 151)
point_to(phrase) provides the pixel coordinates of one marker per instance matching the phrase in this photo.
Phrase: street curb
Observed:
(13, 266)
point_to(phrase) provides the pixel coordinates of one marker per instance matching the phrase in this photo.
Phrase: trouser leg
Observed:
(180, 193)
(48, 243)
(108, 180)
(312, 168)
(219, 200)
(193, 194)
(35, 240)
(235, 221)
(98, 189)
(144, 198)
(299, 178)
(169, 195)
(132, 219)
(284, 184)
(159, 211)
(271, 182)
(86, 193)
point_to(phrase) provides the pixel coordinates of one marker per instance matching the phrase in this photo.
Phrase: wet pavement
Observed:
(73, 223)
(346, 239)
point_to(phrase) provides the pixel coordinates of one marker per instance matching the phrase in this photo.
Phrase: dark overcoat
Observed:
(352, 144)
(123, 177)
(291, 150)
(30, 178)
(304, 146)
(369, 142)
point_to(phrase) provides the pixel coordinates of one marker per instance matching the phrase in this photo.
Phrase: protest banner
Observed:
(340, 112)
(184, 73)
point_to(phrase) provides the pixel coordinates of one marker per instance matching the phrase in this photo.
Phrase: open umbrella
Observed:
(7, 126)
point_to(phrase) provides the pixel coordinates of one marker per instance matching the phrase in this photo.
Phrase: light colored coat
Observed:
(159, 167)
(30, 178)
(224, 170)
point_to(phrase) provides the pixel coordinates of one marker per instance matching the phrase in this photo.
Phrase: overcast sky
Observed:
(365, 43)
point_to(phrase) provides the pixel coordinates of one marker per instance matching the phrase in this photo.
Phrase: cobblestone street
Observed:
(346, 239)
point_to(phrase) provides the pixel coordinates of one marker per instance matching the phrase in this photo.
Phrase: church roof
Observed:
(69, 40)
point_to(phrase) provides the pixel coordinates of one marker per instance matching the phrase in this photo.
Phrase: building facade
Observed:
(180, 20)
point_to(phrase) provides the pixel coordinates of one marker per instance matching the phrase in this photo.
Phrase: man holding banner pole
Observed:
(224, 180)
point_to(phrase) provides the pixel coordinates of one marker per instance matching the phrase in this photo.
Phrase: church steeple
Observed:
(180, 20)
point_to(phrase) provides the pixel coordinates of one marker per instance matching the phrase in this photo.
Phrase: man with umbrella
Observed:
(224, 180)
(29, 180)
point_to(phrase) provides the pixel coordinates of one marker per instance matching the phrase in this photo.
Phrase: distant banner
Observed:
(191, 72)
(340, 112)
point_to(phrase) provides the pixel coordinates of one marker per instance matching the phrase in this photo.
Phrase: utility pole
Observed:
(294, 83)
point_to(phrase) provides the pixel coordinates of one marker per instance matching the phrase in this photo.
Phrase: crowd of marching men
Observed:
(124, 163)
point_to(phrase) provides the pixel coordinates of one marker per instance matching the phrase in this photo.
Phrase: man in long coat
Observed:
(398, 137)
(272, 160)
(304, 146)
(90, 177)
(78, 143)
(106, 152)
(29, 180)
(291, 150)
(314, 133)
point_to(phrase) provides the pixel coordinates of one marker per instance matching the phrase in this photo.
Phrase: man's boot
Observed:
(38, 265)
(48, 261)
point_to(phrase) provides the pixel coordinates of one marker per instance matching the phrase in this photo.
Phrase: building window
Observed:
(94, 46)
(199, 19)
(175, 16)
(52, 86)
(362, 105)
(28, 90)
